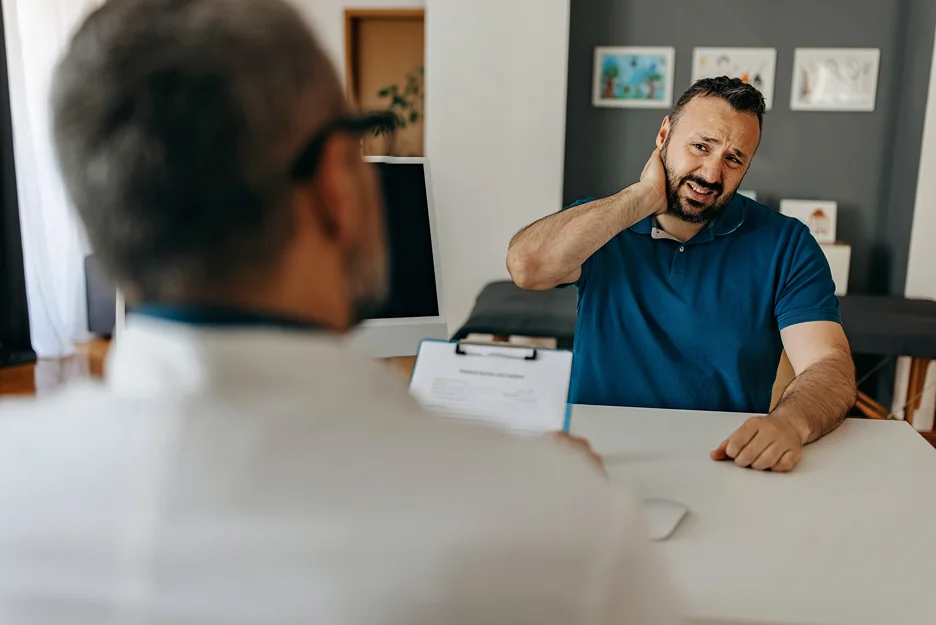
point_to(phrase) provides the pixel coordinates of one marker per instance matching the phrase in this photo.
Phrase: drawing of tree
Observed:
(652, 81)
(610, 74)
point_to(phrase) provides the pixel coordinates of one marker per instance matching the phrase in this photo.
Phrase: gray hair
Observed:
(174, 124)
(742, 97)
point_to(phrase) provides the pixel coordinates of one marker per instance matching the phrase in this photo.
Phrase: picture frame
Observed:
(819, 215)
(835, 79)
(755, 66)
(633, 77)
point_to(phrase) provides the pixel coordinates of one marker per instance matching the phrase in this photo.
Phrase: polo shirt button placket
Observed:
(678, 269)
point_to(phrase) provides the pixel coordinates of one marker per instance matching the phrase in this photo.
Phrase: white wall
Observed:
(495, 130)
(327, 18)
(495, 123)
(921, 277)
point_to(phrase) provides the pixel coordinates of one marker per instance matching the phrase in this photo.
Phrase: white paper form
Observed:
(518, 388)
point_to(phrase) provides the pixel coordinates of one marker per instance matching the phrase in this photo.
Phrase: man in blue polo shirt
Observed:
(689, 293)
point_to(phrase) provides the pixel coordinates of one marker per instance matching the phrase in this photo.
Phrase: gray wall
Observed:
(866, 161)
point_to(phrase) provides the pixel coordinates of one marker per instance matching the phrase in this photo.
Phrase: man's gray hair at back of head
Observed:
(174, 124)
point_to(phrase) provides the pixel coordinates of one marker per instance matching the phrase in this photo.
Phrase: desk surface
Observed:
(847, 538)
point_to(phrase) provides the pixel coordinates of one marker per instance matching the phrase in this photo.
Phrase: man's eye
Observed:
(699, 146)
(734, 160)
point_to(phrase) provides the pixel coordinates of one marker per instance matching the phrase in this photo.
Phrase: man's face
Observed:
(706, 154)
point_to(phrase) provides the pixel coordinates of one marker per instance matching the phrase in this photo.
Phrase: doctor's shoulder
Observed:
(83, 410)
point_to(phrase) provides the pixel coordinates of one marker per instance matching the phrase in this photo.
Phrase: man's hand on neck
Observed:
(652, 185)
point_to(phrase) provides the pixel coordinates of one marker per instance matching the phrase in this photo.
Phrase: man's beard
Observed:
(370, 283)
(687, 209)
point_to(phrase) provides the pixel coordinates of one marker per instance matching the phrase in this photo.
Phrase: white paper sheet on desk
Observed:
(494, 385)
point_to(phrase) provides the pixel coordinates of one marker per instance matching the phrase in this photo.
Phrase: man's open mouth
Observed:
(700, 190)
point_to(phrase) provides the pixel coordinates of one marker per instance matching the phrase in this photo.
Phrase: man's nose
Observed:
(711, 173)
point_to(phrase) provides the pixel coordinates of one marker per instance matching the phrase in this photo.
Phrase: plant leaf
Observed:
(414, 117)
(383, 93)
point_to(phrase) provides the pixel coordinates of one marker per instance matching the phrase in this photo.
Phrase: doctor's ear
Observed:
(334, 192)
(665, 128)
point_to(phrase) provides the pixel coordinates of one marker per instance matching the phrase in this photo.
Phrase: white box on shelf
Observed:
(817, 214)
(839, 257)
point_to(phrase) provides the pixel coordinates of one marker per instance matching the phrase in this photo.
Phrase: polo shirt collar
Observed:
(727, 222)
(645, 225)
(732, 217)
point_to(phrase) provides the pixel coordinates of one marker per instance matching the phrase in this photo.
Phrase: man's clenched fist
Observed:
(763, 443)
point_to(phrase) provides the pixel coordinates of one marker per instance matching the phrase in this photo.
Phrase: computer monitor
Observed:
(413, 310)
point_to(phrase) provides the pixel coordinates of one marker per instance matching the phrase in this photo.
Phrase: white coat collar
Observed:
(153, 355)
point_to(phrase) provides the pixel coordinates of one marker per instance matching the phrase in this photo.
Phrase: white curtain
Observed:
(54, 245)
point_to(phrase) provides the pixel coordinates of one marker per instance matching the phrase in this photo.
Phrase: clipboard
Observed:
(516, 388)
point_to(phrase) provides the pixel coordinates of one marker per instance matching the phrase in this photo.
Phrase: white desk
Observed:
(847, 538)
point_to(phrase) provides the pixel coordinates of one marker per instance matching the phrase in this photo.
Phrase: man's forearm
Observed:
(547, 250)
(818, 400)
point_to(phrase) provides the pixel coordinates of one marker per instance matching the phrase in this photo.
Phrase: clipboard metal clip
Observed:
(502, 351)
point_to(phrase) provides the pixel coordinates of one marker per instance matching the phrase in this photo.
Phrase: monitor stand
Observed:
(390, 338)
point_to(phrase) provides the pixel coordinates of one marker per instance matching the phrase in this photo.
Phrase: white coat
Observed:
(269, 476)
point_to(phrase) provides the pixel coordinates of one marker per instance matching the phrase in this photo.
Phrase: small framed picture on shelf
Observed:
(818, 215)
(631, 77)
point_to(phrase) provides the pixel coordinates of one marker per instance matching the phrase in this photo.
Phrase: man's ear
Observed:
(335, 192)
(664, 132)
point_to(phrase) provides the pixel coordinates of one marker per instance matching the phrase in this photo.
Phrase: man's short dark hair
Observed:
(742, 97)
(173, 121)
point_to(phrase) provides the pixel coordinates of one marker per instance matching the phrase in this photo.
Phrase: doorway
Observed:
(384, 61)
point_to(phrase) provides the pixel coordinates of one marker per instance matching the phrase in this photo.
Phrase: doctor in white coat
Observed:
(239, 465)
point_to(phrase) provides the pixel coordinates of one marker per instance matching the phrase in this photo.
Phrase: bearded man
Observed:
(688, 293)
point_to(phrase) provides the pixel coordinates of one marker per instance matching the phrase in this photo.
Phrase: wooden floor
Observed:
(48, 375)
(88, 363)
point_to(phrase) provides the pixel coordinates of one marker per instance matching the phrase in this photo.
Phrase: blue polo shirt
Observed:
(696, 325)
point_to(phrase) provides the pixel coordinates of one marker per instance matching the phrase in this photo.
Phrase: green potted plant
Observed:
(406, 104)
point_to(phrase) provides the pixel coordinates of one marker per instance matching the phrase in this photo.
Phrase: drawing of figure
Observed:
(819, 223)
